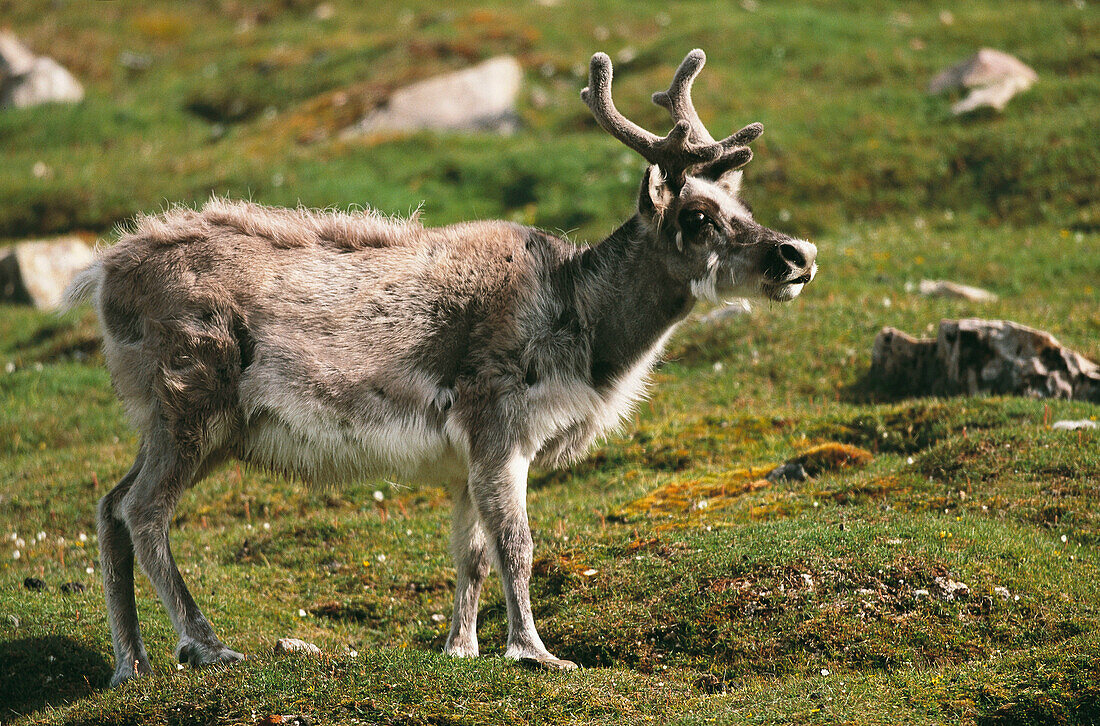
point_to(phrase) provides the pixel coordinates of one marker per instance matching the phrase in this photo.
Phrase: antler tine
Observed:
(674, 153)
(597, 94)
(677, 99)
(732, 152)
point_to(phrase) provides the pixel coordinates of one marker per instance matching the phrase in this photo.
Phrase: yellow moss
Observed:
(685, 495)
(719, 490)
(832, 457)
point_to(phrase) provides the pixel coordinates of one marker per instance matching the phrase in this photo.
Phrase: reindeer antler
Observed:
(688, 144)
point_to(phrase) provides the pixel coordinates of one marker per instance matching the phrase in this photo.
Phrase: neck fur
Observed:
(627, 298)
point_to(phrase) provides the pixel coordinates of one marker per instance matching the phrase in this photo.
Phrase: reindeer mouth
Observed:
(788, 289)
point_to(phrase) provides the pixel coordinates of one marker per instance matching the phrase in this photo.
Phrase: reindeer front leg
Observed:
(498, 486)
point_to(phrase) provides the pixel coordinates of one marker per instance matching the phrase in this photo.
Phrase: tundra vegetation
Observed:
(692, 589)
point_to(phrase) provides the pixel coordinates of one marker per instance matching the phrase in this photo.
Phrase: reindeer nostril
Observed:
(794, 256)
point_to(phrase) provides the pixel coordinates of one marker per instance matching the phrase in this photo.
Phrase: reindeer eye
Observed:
(692, 221)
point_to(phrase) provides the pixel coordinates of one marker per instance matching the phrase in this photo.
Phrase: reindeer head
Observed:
(689, 196)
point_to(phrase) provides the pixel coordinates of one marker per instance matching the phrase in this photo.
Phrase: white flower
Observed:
(16, 555)
(438, 617)
(90, 570)
(301, 613)
(40, 536)
(267, 525)
(381, 558)
(82, 537)
(590, 572)
(20, 544)
(378, 495)
(824, 671)
(1064, 539)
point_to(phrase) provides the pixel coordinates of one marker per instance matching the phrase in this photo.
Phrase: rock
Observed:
(992, 76)
(791, 471)
(946, 288)
(73, 588)
(133, 61)
(289, 719)
(46, 81)
(38, 272)
(294, 645)
(732, 309)
(952, 589)
(973, 356)
(34, 584)
(1073, 425)
(15, 58)
(478, 98)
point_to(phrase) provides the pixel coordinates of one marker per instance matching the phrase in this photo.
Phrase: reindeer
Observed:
(329, 346)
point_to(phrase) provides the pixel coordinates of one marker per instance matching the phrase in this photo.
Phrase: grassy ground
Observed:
(691, 592)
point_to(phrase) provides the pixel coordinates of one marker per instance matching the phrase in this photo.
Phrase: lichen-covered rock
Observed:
(973, 356)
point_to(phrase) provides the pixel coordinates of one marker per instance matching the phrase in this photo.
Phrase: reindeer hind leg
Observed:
(116, 563)
(147, 509)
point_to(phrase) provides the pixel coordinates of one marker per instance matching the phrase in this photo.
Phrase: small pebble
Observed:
(295, 645)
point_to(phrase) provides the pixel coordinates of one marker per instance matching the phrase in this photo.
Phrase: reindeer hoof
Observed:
(198, 655)
(549, 663)
(129, 672)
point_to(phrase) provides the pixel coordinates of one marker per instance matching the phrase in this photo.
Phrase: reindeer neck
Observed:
(628, 300)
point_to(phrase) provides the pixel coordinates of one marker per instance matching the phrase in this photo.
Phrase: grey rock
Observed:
(478, 98)
(46, 81)
(946, 288)
(38, 272)
(973, 356)
(791, 471)
(992, 77)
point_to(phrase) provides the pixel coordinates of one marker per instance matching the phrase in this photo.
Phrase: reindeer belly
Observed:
(290, 429)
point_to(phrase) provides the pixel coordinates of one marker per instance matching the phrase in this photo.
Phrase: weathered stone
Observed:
(951, 589)
(791, 471)
(294, 645)
(992, 76)
(479, 98)
(38, 272)
(946, 288)
(983, 356)
(45, 82)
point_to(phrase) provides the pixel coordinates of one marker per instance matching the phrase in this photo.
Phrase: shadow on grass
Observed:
(47, 671)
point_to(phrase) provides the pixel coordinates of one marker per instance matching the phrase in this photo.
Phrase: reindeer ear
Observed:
(655, 195)
(731, 182)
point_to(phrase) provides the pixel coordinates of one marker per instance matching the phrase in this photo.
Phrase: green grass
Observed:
(783, 603)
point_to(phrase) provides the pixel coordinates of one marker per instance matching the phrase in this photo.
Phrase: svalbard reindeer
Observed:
(332, 346)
